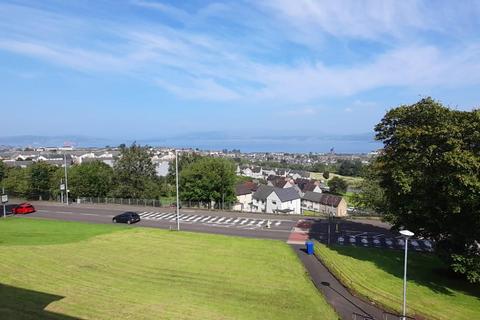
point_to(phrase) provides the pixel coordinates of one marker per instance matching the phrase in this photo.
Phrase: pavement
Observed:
(345, 304)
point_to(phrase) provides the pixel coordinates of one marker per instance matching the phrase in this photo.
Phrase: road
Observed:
(361, 233)
(227, 223)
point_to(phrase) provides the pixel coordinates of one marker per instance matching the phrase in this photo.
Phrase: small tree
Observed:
(326, 175)
(338, 185)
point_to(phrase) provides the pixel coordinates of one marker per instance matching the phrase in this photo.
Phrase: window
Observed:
(274, 202)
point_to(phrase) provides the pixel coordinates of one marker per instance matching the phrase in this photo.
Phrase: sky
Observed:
(275, 74)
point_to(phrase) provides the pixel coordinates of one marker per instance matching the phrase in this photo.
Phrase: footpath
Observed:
(345, 304)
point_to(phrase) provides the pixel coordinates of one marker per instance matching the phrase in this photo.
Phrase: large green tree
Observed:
(184, 159)
(371, 195)
(134, 172)
(17, 182)
(41, 176)
(338, 185)
(350, 168)
(3, 170)
(91, 179)
(208, 179)
(429, 170)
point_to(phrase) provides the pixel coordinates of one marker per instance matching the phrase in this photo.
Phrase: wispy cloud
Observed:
(206, 61)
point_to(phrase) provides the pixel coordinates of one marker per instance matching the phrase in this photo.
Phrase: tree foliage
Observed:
(371, 195)
(91, 179)
(326, 175)
(430, 172)
(17, 182)
(208, 179)
(41, 175)
(134, 172)
(184, 159)
(3, 170)
(350, 168)
(338, 185)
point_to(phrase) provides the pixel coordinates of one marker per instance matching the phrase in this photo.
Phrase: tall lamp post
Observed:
(406, 235)
(66, 177)
(176, 178)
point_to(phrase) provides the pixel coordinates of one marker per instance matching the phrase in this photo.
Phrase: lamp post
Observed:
(66, 177)
(176, 178)
(406, 234)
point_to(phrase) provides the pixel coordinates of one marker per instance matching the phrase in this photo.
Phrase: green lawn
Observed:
(352, 181)
(378, 275)
(66, 270)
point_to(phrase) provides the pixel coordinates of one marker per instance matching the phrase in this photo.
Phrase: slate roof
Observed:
(322, 198)
(287, 194)
(262, 192)
(284, 194)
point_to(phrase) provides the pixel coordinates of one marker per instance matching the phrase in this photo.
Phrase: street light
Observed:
(406, 234)
(176, 178)
(66, 177)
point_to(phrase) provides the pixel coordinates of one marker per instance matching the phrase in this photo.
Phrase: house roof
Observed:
(263, 192)
(301, 173)
(287, 194)
(322, 198)
(245, 188)
(256, 169)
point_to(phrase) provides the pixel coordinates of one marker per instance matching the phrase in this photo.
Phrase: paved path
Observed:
(344, 303)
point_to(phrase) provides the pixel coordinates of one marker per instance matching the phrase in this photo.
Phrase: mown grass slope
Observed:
(67, 270)
(378, 275)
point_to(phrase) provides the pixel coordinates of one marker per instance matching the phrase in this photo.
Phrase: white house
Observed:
(276, 200)
(244, 192)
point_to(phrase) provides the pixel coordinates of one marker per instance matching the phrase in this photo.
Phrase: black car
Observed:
(126, 217)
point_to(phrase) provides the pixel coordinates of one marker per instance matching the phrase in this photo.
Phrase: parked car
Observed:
(126, 217)
(23, 208)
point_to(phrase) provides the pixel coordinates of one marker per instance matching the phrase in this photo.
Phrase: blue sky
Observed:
(145, 69)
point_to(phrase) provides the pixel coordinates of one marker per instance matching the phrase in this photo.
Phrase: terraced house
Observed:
(324, 203)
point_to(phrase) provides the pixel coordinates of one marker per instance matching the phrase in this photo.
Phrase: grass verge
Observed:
(376, 274)
(68, 270)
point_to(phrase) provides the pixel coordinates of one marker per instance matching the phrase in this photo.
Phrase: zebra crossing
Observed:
(238, 222)
(384, 242)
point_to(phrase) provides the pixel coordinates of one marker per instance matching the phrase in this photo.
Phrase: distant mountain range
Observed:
(215, 140)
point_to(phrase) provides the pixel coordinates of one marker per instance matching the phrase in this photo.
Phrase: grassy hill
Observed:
(68, 270)
(432, 293)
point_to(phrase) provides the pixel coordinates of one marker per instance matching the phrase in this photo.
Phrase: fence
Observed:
(159, 203)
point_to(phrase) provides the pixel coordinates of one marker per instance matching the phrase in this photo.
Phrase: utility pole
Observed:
(66, 177)
(62, 187)
(176, 178)
(4, 201)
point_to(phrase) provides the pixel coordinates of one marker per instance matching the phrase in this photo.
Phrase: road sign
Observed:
(62, 186)
(4, 198)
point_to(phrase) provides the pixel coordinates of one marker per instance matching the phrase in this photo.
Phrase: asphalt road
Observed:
(362, 233)
(227, 223)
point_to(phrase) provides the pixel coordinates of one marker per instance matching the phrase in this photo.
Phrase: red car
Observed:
(23, 208)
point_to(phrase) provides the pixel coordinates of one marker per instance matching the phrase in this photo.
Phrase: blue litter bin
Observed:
(309, 245)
